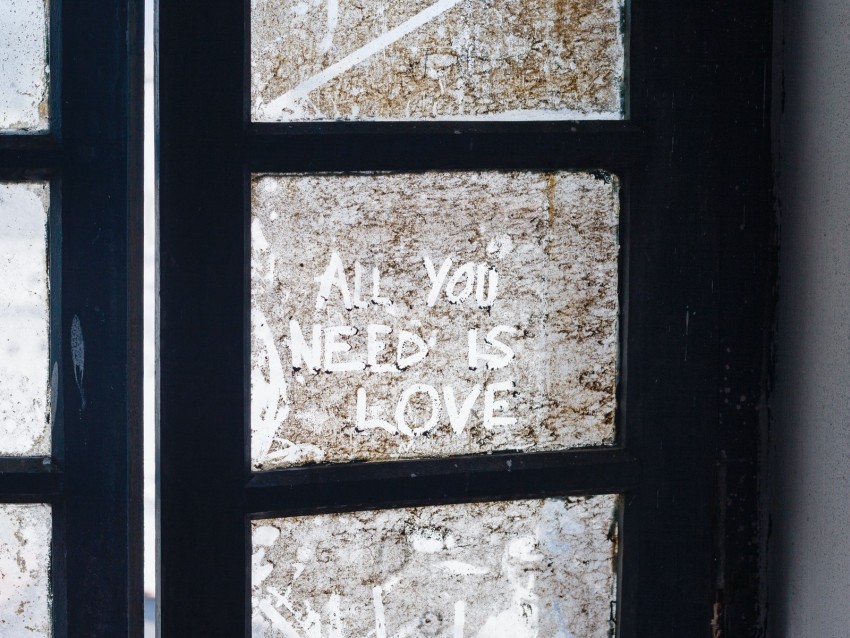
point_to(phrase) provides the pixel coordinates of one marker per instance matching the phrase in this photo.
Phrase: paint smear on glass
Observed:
(25, 532)
(436, 59)
(24, 320)
(23, 65)
(420, 315)
(518, 569)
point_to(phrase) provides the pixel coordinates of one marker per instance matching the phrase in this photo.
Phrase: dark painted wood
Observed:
(693, 159)
(100, 76)
(203, 352)
(92, 157)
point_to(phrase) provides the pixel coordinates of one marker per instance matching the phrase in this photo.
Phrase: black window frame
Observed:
(696, 273)
(91, 156)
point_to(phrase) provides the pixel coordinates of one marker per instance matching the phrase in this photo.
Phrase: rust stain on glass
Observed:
(25, 532)
(518, 569)
(436, 59)
(421, 315)
(24, 320)
(23, 65)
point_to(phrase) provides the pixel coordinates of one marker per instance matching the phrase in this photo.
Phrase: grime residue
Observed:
(23, 65)
(436, 59)
(520, 569)
(24, 320)
(405, 316)
(78, 357)
(25, 532)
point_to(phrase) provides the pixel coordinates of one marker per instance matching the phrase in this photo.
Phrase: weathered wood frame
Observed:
(696, 275)
(92, 158)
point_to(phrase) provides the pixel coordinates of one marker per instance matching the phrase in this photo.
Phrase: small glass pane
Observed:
(24, 357)
(25, 532)
(23, 65)
(521, 569)
(436, 59)
(415, 315)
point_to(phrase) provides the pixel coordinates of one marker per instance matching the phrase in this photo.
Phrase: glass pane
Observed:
(443, 59)
(522, 569)
(412, 315)
(23, 65)
(24, 403)
(25, 532)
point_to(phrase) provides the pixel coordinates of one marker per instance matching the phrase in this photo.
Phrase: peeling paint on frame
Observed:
(436, 59)
(516, 569)
(488, 299)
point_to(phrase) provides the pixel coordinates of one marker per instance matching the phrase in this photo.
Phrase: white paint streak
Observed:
(269, 405)
(260, 568)
(335, 627)
(400, 418)
(266, 535)
(437, 277)
(427, 541)
(460, 568)
(296, 453)
(460, 619)
(458, 418)
(380, 617)
(277, 620)
(290, 102)
(333, 19)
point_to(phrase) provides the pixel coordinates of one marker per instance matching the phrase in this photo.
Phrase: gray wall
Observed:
(809, 548)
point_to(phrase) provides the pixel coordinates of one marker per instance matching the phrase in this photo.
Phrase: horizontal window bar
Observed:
(460, 127)
(28, 480)
(359, 486)
(27, 156)
(447, 145)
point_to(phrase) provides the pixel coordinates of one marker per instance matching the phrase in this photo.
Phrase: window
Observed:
(70, 328)
(691, 158)
(687, 169)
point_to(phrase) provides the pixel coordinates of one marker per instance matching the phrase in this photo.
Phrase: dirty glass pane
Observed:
(521, 569)
(24, 403)
(23, 65)
(25, 532)
(436, 59)
(415, 315)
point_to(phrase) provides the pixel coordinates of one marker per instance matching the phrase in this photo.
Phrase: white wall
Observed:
(809, 548)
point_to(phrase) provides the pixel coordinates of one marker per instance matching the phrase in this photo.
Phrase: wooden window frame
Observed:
(697, 267)
(92, 158)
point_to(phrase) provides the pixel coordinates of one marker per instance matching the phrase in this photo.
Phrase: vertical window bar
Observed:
(202, 531)
(98, 49)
